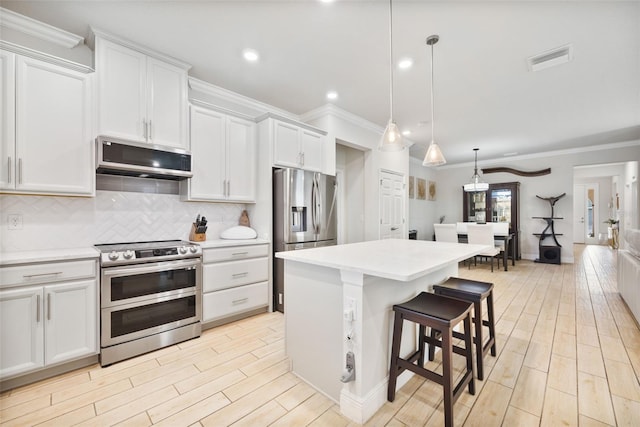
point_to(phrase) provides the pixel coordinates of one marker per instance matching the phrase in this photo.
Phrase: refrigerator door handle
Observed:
(313, 205)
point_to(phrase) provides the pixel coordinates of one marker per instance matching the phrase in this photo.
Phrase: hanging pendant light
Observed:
(476, 183)
(434, 156)
(391, 138)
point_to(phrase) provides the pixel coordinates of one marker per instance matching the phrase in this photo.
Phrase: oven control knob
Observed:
(193, 249)
(128, 254)
(113, 256)
(182, 250)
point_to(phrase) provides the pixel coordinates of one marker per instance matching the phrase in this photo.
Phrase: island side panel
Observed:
(313, 325)
(373, 329)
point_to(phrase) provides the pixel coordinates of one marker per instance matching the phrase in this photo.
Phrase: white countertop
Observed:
(221, 243)
(396, 259)
(47, 255)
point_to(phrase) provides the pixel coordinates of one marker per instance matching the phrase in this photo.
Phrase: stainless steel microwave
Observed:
(116, 156)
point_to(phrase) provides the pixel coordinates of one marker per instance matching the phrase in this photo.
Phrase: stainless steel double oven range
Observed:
(149, 297)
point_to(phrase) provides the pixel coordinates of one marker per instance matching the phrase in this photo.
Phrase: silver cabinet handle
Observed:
(9, 169)
(20, 171)
(229, 188)
(48, 306)
(150, 131)
(238, 275)
(224, 187)
(29, 276)
(239, 301)
(240, 253)
(394, 228)
(37, 308)
(144, 129)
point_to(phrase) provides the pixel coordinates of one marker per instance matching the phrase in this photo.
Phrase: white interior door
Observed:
(592, 219)
(392, 206)
(586, 222)
(578, 213)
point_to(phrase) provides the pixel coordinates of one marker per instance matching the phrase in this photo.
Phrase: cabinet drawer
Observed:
(229, 274)
(46, 272)
(228, 302)
(234, 253)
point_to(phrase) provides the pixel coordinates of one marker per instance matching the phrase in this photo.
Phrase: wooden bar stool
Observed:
(474, 292)
(443, 314)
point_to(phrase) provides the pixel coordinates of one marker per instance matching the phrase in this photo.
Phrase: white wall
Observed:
(351, 222)
(451, 178)
(424, 213)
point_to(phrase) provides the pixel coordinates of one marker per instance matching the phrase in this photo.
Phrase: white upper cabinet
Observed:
(47, 144)
(241, 159)
(294, 145)
(141, 97)
(223, 152)
(8, 117)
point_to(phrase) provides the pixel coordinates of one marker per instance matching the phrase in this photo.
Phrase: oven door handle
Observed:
(152, 268)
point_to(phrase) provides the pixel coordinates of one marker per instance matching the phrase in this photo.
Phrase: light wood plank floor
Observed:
(568, 354)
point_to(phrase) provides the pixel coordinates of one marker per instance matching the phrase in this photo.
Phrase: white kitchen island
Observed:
(336, 292)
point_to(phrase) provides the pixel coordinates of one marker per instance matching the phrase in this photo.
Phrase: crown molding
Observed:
(219, 109)
(295, 122)
(330, 109)
(554, 153)
(25, 51)
(26, 25)
(140, 48)
(236, 98)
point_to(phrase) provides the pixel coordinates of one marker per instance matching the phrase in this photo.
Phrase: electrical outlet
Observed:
(14, 221)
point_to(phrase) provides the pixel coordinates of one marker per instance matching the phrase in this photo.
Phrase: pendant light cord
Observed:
(433, 123)
(390, 60)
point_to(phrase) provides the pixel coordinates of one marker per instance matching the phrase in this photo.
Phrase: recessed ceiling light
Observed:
(326, 1)
(250, 55)
(332, 95)
(406, 132)
(405, 63)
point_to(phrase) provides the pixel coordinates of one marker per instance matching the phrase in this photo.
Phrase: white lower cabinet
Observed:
(21, 331)
(46, 324)
(235, 281)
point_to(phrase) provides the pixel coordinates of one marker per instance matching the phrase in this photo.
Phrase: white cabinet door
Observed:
(53, 129)
(311, 144)
(208, 155)
(7, 119)
(21, 330)
(167, 108)
(122, 101)
(286, 145)
(223, 152)
(241, 160)
(71, 320)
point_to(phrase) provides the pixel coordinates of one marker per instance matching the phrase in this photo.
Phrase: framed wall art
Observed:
(422, 189)
(432, 190)
(412, 187)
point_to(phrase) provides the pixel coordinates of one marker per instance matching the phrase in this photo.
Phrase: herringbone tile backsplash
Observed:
(110, 217)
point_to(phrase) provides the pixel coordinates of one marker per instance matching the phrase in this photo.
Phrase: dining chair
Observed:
(482, 234)
(500, 229)
(461, 227)
(446, 233)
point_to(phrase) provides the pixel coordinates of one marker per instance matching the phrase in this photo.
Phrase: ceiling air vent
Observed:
(550, 58)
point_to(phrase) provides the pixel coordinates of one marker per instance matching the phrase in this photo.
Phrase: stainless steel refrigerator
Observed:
(304, 216)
